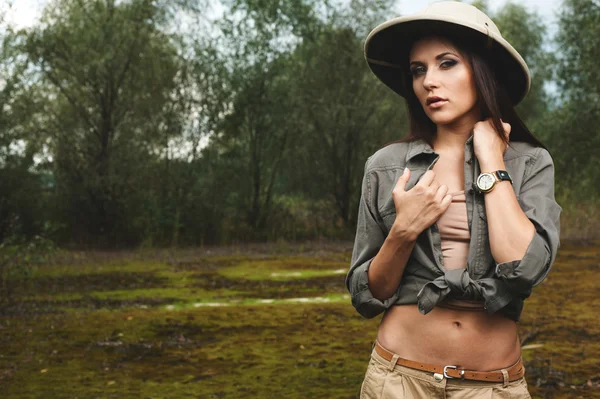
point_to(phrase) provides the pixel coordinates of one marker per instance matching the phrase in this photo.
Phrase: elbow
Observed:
(367, 305)
(524, 274)
(514, 246)
(363, 300)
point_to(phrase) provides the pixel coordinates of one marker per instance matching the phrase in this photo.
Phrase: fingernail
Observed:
(403, 173)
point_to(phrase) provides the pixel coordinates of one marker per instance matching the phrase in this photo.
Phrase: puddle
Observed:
(262, 301)
(289, 274)
(211, 304)
(311, 273)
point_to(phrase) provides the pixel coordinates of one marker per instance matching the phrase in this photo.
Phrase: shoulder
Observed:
(391, 156)
(531, 168)
(529, 152)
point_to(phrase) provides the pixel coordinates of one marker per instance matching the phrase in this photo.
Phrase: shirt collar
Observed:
(420, 146)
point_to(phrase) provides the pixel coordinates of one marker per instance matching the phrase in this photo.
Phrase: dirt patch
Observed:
(29, 308)
(91, 282)
(33, 307)
(315, 248)
(172, 327)
(272, 288)
(201, 265)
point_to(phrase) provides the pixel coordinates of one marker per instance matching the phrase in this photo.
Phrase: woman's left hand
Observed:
(486, 143)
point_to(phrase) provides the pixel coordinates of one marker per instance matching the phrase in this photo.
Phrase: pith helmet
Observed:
(388, 45)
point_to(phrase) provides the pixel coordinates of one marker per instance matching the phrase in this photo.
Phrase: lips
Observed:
(431, 100)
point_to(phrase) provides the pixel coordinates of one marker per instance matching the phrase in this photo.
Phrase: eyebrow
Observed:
(437, 57)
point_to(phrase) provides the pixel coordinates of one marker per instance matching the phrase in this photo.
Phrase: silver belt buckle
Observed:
(462, 374)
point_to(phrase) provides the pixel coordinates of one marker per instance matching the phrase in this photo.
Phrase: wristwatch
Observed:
(486, 181)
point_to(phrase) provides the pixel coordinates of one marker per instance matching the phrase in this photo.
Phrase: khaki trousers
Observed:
(386, 381)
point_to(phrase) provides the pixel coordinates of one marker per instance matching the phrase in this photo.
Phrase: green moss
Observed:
(284, 268)
(104, 330)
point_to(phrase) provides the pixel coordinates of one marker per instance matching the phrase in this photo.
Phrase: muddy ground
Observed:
(255, 321)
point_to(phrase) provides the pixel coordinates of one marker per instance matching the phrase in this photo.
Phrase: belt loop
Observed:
(393, 362)
(505, 376)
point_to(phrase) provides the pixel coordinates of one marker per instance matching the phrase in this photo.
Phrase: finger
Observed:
(403, 179)
(433, 187)
(441, 193)
(446, 201)
(427, 178)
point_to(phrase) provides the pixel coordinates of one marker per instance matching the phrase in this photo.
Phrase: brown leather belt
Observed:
(513, 373)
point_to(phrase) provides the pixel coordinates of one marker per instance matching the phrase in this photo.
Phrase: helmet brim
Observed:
(388, 45)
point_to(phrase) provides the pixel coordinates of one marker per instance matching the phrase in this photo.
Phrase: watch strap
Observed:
(503, 175)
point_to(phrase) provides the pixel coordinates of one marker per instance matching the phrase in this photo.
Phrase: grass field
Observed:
(264, 321)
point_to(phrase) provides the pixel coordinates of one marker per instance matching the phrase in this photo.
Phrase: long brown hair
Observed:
(493, 99)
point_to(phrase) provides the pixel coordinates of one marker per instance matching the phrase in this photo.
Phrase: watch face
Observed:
(485, 181)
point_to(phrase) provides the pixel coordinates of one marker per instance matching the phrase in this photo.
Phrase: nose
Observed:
(431, 80)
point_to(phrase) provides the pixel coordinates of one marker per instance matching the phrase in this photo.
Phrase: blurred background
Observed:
(146, 136)
(190, 122)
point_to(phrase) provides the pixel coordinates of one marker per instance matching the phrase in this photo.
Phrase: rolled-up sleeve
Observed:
(536, 198)
(369, 239)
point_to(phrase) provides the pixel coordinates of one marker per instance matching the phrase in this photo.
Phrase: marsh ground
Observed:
(262, 321)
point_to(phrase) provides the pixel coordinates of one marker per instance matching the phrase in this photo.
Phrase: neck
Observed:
(453, 137)
(450, 140)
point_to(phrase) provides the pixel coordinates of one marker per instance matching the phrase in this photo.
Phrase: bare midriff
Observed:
(456, 332)
(471, 339)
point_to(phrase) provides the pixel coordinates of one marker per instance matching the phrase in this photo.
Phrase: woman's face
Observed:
(439, 70)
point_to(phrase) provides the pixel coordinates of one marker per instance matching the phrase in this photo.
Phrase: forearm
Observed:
(387, 268)
(509, 229)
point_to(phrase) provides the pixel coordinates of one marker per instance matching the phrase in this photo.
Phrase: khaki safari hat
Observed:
(388, 45)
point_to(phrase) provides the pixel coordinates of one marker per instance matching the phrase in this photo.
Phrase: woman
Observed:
(458, 221)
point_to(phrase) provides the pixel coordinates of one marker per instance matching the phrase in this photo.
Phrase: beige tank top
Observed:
(454, 231)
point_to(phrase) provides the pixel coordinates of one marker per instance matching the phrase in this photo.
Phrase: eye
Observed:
(448, 63)
(417, 71)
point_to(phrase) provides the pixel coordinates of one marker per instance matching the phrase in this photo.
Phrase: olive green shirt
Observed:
(501, 286)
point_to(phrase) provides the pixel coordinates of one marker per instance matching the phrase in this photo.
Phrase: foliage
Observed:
(346, 117)
(19, 259)
(166, 123)
(527, 33)
(105, 112)
(574, 125)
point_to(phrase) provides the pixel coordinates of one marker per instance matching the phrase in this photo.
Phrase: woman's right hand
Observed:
(419, 207)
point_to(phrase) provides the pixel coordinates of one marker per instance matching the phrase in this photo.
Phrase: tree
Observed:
(110, 73)
(527, 33)
(20, 186)
(256, 40)
(573, 126)
(347, 113)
